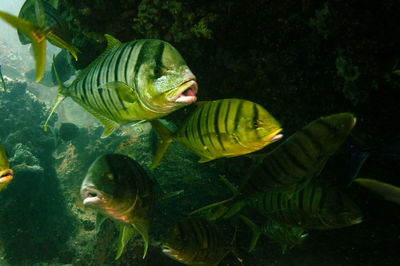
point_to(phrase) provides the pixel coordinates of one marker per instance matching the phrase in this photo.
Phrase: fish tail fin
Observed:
(37, 37)
(165, 140)
(226, 208)
(60, 96)
(254, 228)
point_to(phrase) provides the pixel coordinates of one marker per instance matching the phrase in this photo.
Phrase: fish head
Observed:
(339, 210)
(106, 186)
(164, 81)
(256, 126)
(5, 177)
(6, 174)
(331, 131)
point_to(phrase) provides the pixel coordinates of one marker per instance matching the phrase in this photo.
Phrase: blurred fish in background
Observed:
(6, 174)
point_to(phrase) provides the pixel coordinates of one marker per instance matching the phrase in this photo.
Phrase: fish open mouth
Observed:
(276, 136)
(6, 176)
(186, 92)
(91, 197)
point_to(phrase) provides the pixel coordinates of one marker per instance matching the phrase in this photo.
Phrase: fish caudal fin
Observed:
(60, 95)
(165, 136)
(125, 234)
(35, 35)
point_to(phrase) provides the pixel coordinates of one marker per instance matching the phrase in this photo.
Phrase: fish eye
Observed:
(159, 71)
(257, 123)
(110, 176)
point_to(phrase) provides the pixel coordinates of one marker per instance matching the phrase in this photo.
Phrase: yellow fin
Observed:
(35, 35)
(83, 73)
(166, 138)
(109, 126)
(254, 228)
(111, 41)
(57, 41)
(142, 228)
(125, 233)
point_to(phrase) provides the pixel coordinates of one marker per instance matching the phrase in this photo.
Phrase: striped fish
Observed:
(302, 156)
(37, 22)
(6, 174)
(119, 188)
(130, 82)
(195, 241)
(317, 206)
(286, 236)
(221, 128)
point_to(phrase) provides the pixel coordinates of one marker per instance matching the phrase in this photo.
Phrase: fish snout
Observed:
(91, 197)
(6, 176)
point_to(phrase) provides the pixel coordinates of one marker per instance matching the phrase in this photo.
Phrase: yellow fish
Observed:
(221, 128)
(6, 174)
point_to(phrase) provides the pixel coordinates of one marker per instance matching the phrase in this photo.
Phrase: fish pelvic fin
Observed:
(126, 232)
(60, 96)
(37, 37)
(165, 139)
(100, 218)
(254, 228)
(143, 229)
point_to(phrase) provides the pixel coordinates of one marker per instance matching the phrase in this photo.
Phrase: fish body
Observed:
(119, 188)
(222, 128)
(389, 192)
(317, 206)
(131, 82)
(37, 22)
(6, 173)
(195, 241)
(301, 157)
(2, 80)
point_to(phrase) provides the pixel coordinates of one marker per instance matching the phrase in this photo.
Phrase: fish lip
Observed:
(276, 136)
(190, 87)
(6, 176)
(91, 197)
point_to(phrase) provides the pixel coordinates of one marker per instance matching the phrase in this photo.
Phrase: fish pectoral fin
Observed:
(100, 218)
(165, 139)
(143, 229)
(126, 232)
(35, 35)
(125, 92)
(57, 41)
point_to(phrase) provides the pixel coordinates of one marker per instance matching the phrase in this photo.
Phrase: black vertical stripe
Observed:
(158, 55)
(228, 101)
(140, 58)
(306, 133)
(199, 128)
(237, 116)
(131, 45)
(117, 63)
(216, 124)
(293, 158)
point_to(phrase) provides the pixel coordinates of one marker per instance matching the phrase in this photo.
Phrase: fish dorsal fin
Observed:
(126, 232)
(100, 57)
(111, 41)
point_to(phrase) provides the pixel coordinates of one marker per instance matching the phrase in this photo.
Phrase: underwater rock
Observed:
(68, 131)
